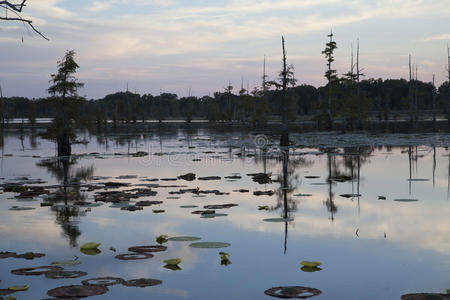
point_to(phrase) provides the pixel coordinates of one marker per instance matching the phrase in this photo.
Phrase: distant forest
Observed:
(379, 98)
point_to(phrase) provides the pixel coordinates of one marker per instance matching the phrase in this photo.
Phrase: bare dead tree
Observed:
(433, 94)
(410, 94)
(358, 89)
(448, 65)
(284, 129)
(16, 10)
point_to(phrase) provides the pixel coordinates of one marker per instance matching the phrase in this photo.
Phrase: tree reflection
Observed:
(289, 181)
(343, 167)
(68, 192)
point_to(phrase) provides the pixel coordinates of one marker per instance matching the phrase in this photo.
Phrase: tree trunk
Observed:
(64, 147)
(284, 141)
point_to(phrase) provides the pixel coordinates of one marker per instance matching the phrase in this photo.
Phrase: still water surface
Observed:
(369, 248)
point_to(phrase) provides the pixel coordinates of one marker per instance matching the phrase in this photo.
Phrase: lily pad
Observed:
(207, 245)
(4, 292)
(425, 296)
(20, 208)
(406, 200)
(278, 220)
(188, 206)
(172, 261)
(36, 271)
(134, 256)
(121, 204)
(65, 274)
(146, 249)
(299, 292)
(209, 216)
(103, 281)
(158, 211)
(77, 291)
(7, 254)
(132, 208)
(303, 195)
(350, 195)
(19, 288)
(184, 239)
(90, 245)
(66, 263)
(172, 267)
(310, 269)
(220, 206)
(142, 282)
(162, 239)
(93, 251)
(418, 179)
(311, 263)
(225, 258)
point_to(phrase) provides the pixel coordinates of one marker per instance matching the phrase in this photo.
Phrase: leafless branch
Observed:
(17, 9)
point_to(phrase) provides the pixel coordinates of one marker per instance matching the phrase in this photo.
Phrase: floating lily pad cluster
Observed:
(27, 255)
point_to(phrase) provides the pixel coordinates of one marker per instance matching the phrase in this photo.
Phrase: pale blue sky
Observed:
(177, 45)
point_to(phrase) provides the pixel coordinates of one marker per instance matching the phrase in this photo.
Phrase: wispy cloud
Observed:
(100, 6)
(437, 37)
(219, 38)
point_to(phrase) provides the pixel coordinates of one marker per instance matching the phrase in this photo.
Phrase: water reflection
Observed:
(69, 191)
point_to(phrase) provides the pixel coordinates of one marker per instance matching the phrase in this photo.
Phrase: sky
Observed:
(198, 46)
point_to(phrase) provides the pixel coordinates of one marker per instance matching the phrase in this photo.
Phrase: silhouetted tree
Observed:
(64, 90)
(330, 74)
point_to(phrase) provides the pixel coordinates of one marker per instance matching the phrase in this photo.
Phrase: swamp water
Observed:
(392, 240)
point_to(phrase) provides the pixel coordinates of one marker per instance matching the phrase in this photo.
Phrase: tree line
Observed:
(378, 96)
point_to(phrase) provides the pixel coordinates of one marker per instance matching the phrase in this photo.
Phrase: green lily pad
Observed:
(303, 195)
(172, 261)
(90, 245)
(278, 220)
(66, 263)
(172, 267)
(207, 245)
(406, 200)
(94, 251)
(313, 264)
(19, 288)
(188, 206)
(225, 258)
(184, 239)
(162, 239)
